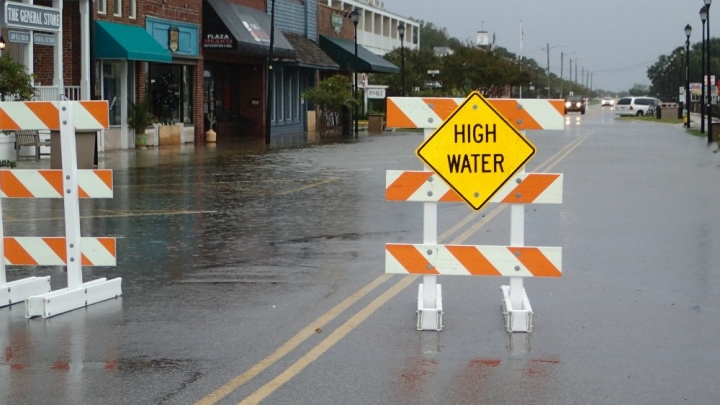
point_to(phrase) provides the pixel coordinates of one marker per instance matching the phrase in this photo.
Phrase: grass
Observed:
(653, 119)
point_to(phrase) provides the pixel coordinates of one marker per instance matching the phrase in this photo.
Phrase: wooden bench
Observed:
(29, 138)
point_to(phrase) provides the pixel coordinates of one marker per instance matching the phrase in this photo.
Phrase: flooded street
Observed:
(255, 274)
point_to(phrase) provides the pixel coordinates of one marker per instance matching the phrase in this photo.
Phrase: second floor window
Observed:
(102, 6)
(117, 9)
(132, 12)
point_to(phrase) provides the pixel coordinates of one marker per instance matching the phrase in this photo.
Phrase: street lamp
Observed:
(354, 17)
(269, 98)
(708, 109)
(401, 32)
(688, 30)
(703, 17)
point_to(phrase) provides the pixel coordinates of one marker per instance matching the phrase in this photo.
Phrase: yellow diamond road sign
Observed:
(476, 151)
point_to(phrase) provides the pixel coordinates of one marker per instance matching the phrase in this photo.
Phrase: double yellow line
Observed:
(354, 321)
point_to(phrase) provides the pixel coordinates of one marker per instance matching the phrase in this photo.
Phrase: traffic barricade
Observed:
(475, 151)
(70, 184)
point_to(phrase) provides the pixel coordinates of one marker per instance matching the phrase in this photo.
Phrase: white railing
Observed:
(52, 93)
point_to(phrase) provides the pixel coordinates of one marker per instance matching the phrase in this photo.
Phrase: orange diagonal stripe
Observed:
(7, 123)
(536, 262)
(85, 260)
(410, 258)
(105, 176)
(12, 187)
(46, 112)
(530, 188)
(509, 110)
(109, 244)
(57, 245)
(54, 177)
(473, 260)
(450, 196)
(99, 111)
(15, 254)
(559, 106)
(396, 118)
(405, 185)
(443, 107)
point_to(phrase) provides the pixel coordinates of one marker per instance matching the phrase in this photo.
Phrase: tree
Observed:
(330, 96)
(432, 36)
(15, 82)
(639, 90)
(417, 64)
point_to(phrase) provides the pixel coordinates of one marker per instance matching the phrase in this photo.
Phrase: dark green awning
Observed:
(121, 41)
(343, 52)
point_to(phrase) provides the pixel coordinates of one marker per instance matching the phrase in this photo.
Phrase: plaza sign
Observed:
(19, 15)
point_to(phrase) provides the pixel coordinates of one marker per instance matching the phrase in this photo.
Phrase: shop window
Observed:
(102, 6)
(171, 90)
(112, 90)
(288, 93)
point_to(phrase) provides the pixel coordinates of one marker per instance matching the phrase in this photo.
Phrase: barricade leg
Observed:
(516, 306)
(429, 312)
(18, 290)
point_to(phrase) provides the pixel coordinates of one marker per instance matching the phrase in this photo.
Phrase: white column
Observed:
(58, 81)
(28, 50)
(122, 99)
(85, 49)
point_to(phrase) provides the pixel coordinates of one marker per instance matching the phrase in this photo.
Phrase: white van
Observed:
(635, 105)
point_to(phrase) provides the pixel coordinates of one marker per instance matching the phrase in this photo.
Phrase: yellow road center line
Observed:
(349, 325)
(291, 344)
(319, 183)
(327, 343)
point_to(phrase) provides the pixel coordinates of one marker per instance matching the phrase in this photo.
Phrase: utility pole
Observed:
(548, 70)
(562, 58)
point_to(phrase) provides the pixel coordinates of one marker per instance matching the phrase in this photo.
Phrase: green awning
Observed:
(121, 41)
(342, 51)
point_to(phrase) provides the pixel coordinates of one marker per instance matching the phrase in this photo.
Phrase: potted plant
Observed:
(332, 96)
(140, 119)
(210, 135)
(15, 85)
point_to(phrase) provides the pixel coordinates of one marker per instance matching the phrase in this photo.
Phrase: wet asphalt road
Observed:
(227, 257)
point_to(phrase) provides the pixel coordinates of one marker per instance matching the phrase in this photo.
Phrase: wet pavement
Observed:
(234, 252)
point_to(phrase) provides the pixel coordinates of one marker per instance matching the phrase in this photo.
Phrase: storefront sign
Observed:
(219, 41)
(255, 29)
(19, 15)
(20, 37)
(337, 22)
(44, 39)
(375, 93)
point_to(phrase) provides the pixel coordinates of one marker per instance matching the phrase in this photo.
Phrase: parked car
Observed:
(636, 105)
(607, 101)
(575, 103)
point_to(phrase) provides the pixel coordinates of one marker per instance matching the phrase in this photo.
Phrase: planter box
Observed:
(170, 134)
(7, 147)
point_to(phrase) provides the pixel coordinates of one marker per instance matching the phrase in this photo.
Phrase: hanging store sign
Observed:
(19, 37)
(44, 39)
(19, 15)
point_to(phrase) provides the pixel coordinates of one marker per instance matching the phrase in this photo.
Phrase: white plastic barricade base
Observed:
(19, 290)
(64, 300)
(516, 319)
(429, 318)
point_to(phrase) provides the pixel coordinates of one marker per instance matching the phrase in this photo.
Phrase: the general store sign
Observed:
(19, 15)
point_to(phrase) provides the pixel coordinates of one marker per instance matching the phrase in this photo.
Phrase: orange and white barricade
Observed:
(430, 259)
(70, 184)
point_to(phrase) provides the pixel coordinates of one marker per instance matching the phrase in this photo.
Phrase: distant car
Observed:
(636, 106)
(575, 103)
(607, 101)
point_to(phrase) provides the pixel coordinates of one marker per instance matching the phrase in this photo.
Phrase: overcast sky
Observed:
(615, 39)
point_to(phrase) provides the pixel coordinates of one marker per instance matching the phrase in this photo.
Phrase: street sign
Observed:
(433, 72)
(476, 151)
(20, 37)
(436, 84)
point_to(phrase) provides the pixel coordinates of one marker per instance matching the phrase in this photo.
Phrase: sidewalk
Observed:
(121, 159)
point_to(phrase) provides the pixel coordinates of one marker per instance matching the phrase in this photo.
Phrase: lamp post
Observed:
(269, 103)
(354, 17)
(703, 17)
(688, 30)
(708, 108)
(401, 32)
(548, 65)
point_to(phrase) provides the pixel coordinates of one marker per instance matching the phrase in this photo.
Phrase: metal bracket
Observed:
(429, 318)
